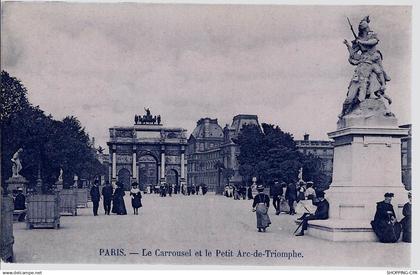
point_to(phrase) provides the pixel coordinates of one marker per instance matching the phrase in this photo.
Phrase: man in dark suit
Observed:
(107, 192)
(276, 192)
(321, 212)
(291, 197)
(95, 196)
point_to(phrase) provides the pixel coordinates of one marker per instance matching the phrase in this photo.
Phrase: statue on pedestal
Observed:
(369, 78)
(16, 163)
(60, 176)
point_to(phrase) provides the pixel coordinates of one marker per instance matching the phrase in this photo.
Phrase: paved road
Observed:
(197, 223)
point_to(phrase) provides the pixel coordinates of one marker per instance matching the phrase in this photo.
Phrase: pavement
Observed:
(193, 230)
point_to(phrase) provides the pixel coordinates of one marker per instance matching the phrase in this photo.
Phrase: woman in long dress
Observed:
(260, 206)
(135, 198)
(119, 194)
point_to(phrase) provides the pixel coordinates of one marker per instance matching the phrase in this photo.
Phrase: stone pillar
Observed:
(183, 179)
(135, 178)
(114, 166)
(367, 164)
(162, 165)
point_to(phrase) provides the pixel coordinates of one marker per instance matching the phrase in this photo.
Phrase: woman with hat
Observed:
(406, 221)
(260, 206)
(135, 198)
(118, 204)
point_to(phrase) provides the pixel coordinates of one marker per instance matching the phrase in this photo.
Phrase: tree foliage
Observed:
(269, 153)
(48, 144)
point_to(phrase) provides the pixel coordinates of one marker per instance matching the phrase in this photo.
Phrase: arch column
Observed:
(182, 180)
(162, 165)
(114, 165)
(135, 172)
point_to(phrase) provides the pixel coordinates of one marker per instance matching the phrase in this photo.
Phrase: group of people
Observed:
(385, 224)
(116, 198)
(238, 192)
(285, 196)
(168, 189)
(261, 204)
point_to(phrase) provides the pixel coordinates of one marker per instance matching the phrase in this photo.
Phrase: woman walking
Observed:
(260, 206)
(135, 198)
(118, 204)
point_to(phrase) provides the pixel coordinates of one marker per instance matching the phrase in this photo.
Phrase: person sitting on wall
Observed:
(321, 213)
(385, 224)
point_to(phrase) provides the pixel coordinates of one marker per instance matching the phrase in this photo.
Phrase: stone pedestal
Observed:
(367, 164)
(59, 185)
(13, 183)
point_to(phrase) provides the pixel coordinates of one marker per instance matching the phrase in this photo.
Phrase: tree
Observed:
(228, 173)
(48, 144)
(247, 171)
(272, 154)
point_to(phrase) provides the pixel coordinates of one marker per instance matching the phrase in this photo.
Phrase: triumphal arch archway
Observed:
(147, 153)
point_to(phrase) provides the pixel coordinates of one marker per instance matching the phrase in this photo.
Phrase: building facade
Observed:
(211, 148)
(147, 153)
(406, 158)
(324, 149)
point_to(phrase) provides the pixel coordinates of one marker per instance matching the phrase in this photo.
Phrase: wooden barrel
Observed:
(7, 238)
(68, 202)
(43, 211)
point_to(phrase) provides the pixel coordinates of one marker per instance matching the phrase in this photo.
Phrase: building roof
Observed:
(240, 120)
(207, 128)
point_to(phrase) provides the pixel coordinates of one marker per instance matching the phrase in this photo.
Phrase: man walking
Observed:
(277, 192)
(291, 196)
(95, 196)
(107, 191)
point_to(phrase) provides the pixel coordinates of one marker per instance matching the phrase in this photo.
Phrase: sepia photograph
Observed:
(265, 135)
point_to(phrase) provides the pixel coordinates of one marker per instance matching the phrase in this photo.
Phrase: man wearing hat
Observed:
(107, 191)
(276, 191)
(95, 196)
(321, 212)
(385, 224)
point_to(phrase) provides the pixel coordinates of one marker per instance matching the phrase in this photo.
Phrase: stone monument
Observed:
(367, 148)
(16, 180)
(59, 182)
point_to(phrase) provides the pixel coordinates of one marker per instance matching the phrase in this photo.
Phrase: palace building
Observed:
(210, 147)
(147, 153)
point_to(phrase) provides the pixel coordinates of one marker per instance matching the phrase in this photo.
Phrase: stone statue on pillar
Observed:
(16, 163)
(366, 91)
(60, 176)
(367, 148)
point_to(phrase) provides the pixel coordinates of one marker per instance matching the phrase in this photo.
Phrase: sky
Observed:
(104, 63)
